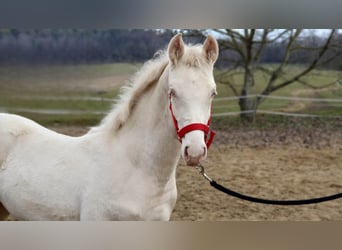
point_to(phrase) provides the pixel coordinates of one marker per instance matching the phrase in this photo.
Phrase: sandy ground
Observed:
(288, 163)
(285, 172)
(281, 163)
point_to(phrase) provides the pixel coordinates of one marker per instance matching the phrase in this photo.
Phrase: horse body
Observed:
(127, 184)
(22, 178)
(123, 169)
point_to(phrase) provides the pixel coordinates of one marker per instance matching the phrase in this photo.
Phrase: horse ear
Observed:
(176, 48)
(210, 48)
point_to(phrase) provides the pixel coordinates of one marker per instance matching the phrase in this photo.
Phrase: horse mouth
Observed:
(192, 161)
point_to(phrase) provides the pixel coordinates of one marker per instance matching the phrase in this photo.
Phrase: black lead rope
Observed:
(266, 201)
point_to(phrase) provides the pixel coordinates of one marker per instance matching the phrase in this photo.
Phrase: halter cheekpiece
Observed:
(208, 134)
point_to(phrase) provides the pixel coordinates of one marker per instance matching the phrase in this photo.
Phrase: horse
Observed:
(124, 168)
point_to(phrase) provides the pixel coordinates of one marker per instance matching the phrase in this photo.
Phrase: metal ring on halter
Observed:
(201, 171)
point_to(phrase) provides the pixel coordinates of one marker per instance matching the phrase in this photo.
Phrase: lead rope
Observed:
(265, 201)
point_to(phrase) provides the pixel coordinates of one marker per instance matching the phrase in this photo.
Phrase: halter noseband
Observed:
(193, 126)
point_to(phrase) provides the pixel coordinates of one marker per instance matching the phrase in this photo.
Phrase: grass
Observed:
(55, 87)
(317, 78)
(88, 119)
(264, 122)
(66, 104)
(65, 80)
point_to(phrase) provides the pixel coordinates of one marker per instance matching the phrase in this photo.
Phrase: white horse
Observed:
(123, 169)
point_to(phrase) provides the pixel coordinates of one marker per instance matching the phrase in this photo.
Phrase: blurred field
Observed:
(82, 88)
(317, 79)
(81, 94)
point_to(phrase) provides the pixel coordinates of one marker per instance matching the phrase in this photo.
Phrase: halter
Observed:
(193, 126)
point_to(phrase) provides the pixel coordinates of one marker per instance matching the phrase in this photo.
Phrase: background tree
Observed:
(245, 51)
(80, 46)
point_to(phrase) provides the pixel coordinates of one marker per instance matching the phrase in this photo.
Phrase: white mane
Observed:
(148, 75)
(130, 93)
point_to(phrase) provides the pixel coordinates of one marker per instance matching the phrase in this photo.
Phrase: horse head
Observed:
(191, 90)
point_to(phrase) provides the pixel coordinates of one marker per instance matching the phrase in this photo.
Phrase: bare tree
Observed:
(246, 50)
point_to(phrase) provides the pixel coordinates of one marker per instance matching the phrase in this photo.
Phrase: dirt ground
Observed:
(282, 163)
(275, 173)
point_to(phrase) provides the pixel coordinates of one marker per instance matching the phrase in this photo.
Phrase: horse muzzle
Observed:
(196, 139)
(194, 159)
(194, 148)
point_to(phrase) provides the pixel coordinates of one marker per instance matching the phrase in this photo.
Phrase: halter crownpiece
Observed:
(193, 126)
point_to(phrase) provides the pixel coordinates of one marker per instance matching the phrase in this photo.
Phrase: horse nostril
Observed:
(186, 151)
(204, 151)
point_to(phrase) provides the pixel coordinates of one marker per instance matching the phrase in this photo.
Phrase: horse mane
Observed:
(148, 75)
(131, 92)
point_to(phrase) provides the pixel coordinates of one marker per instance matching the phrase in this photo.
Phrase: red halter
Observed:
(193, 126)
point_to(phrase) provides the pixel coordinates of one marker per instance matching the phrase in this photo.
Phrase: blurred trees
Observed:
(79, 46)
(115, 45)
(271, 53)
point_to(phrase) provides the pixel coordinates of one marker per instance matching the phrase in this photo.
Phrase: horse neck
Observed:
(151, 133)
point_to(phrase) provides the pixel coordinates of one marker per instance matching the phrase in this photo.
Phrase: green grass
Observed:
(54, 86)
(331, 94)
(316, 78)
(68, 104)
(53, 119)
(66, 80)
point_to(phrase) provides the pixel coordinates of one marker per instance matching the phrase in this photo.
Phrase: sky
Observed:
(319, 32)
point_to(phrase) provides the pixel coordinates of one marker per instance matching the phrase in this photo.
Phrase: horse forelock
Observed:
(193, 57)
